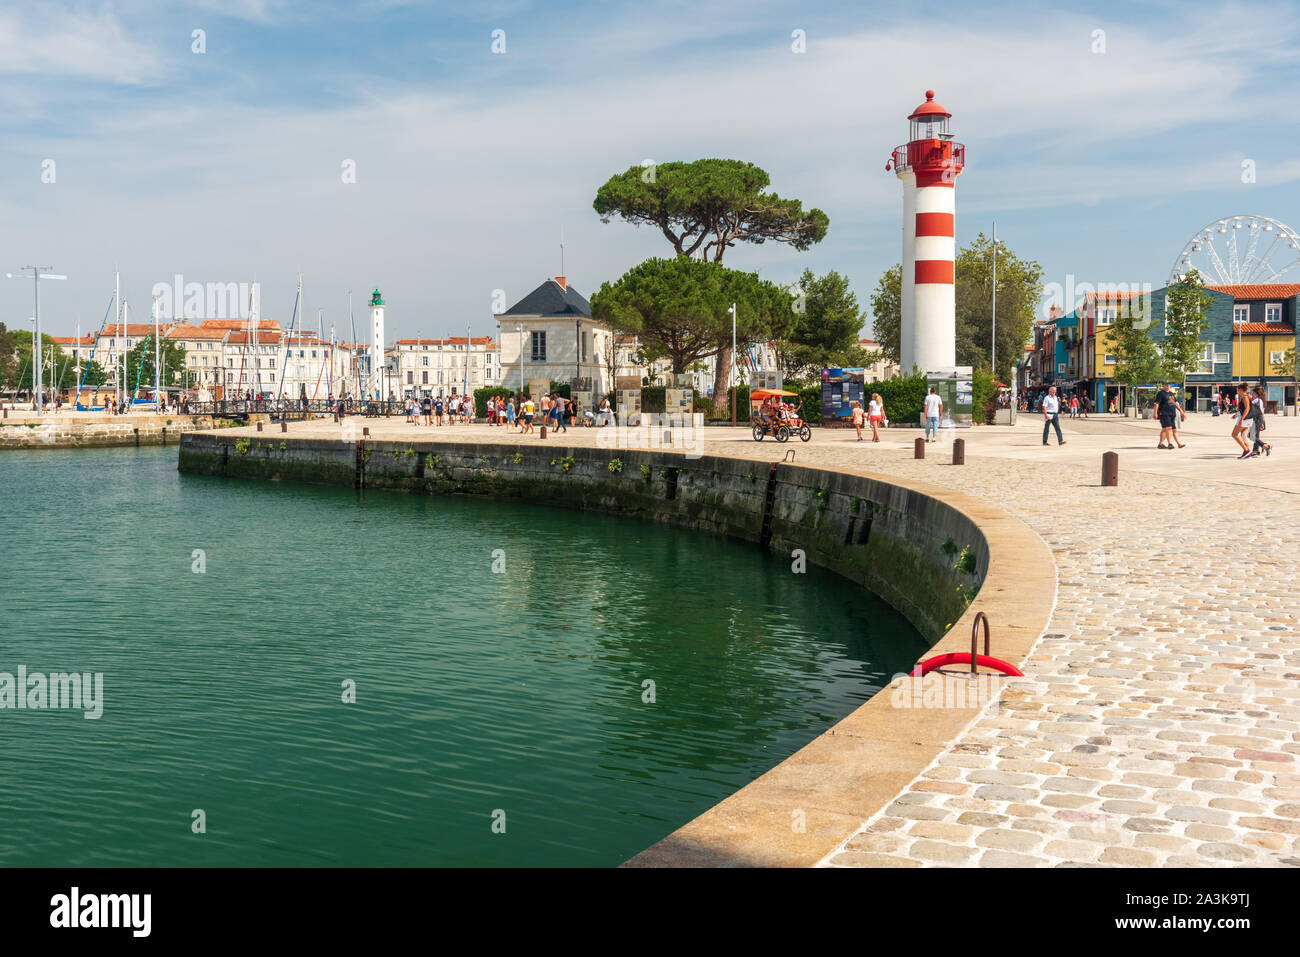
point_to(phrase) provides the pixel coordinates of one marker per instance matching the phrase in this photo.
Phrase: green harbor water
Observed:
(484, 702)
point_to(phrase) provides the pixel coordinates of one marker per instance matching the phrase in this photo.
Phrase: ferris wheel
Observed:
(1240, 251)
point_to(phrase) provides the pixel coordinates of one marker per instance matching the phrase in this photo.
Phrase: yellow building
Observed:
(1260, 352)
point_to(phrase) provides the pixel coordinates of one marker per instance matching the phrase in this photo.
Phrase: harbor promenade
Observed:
(1158, 724)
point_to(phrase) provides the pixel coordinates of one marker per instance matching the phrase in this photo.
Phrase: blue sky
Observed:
(226, 166)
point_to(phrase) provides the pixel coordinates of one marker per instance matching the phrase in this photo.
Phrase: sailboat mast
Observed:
(157, 355)
(121, 347)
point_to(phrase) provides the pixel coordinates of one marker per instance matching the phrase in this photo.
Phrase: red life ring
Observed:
(963, 658)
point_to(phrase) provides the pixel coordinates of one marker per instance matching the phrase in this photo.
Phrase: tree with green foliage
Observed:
(140, 364)
(887, 312)
(8, 356)
(707, 206)
(1136, 357)
(19, 371)
(1019, 292)
(1185, 323)
(823, 328)
(680, 309)
(1020, 287)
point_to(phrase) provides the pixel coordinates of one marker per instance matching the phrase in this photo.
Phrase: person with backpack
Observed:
(1257, 424)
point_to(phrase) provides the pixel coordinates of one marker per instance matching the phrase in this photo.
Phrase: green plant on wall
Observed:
(518, 458)
(966, 562)
(616, 465)
(645, 472)
(242, 446)
(949, 547)
(284, 446)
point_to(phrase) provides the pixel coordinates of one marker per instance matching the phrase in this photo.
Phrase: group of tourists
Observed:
(437, 410)
(556, 412)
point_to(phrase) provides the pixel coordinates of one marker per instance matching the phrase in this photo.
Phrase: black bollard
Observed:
(365, 430)
(918, 449)
(1110, 469)
(959, 452)
(284, 426)
(259, 426)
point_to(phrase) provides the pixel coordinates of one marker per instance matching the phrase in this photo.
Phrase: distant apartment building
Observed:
(1250, 328)
(448, 366)
(882, 368)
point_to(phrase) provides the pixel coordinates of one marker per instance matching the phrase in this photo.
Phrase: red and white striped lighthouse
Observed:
(928, 166)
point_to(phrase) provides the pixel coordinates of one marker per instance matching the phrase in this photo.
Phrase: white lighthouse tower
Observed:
(928, 166)
(376, 384)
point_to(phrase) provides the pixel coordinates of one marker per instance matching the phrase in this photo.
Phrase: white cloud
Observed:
(462, 192)
(47, 41)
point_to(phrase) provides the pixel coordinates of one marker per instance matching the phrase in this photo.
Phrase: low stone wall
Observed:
(899, 543)
(68, 431)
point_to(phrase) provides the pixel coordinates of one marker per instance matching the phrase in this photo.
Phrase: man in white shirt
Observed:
(1052, 415)
(933, 409)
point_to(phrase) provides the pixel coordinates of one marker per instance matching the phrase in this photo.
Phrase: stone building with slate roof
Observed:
(553, 329)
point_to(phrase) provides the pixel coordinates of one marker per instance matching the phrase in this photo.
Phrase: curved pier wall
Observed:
(898, 542)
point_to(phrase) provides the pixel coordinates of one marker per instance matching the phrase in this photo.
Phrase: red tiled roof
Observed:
(195, 332)
(454, 340)
(74, 341)
(129, 329)
(238, 324)
(1277, 328)
(1276, 290)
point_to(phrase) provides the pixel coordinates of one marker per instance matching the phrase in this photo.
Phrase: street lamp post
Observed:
(731, 373)
(38, 272)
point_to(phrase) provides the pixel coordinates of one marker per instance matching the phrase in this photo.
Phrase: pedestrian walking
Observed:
(933, 409)
(1167, 411)
(1241, 424)
(1052, 416)
(876, 415)
(1257, 443)
(858, 418)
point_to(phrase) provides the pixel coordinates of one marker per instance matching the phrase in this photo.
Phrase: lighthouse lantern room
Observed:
(928, 166)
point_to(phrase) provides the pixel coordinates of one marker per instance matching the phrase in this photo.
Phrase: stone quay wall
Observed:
(69, 431)
(899, 543)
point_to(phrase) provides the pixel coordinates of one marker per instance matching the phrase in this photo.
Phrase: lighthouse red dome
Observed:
(929, 108)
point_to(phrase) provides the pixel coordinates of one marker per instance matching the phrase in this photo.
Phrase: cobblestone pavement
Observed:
(1159, 720)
